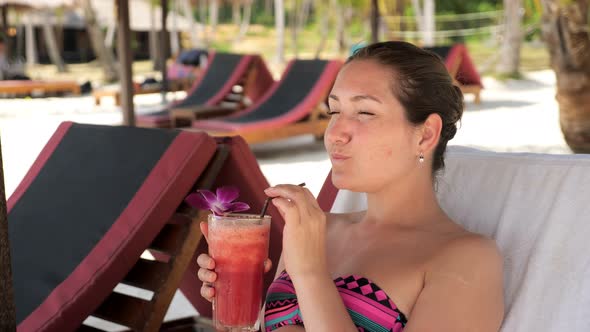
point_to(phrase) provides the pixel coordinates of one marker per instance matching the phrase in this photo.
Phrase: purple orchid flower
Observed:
(220, 204)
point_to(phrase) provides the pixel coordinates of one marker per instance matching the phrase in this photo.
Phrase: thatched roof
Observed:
(38, 3)
(139, 12)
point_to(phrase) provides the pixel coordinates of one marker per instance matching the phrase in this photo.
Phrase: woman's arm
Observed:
(305, 259)
(463, 291)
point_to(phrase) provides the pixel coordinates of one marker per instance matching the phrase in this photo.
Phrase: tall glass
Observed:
(239, 245)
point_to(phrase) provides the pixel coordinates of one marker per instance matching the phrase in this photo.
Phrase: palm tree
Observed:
(510, 49)
(280, 29)
(213, 16)
(565, 31)
(246, 18)
(374, 21)
(31, 47)
(51, 42)
(323, 8)
(105, 57)
(194, 29)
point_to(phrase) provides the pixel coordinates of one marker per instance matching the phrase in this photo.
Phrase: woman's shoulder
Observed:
(468, 252)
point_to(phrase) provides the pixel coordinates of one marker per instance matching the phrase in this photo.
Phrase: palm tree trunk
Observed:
(340, 28)
(30, 41)
(109, 39)
(235, 12)
(303, 14)
(429, 22)
(247, 17)
(418, 15)
(293, 24)
(565, 31)
(280, 30)
(105, 57)
(154, 37)
(51, 43)
(7, 310)
(374, 21)
(174, 39)
(213, 16)
(323, 9)
(203, 18)
(510, 49)
(195, 31)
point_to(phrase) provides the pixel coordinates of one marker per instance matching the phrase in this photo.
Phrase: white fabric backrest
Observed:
(537, 208)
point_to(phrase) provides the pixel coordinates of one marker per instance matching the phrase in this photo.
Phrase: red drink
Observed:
(239, 245)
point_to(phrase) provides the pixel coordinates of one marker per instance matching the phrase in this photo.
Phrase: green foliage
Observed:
(462, 6)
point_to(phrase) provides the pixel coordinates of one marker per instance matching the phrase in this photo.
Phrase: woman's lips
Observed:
(338, 156)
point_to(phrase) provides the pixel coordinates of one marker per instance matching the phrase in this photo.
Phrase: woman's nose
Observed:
(338, 131)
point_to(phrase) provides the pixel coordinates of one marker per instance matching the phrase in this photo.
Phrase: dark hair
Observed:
(422, 85)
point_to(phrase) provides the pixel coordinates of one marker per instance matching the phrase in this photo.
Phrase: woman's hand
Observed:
(206, 271)
(304, 235)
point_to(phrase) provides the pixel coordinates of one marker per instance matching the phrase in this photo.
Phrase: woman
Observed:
(402, 264)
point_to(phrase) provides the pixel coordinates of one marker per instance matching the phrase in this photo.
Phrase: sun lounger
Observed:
(295, 105)
(461, 68)
(535, 206)
(26, 87)
(240, 169)
(230, 82)
(94, 200)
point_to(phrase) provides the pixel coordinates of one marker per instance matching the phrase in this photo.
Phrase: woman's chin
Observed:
(340, 182)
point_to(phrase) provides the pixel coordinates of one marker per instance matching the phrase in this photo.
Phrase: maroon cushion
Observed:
(466, 73)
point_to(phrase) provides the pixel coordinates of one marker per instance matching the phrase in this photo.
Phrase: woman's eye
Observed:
(365, 113)
(332, 112)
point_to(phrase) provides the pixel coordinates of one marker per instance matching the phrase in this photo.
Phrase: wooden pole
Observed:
(5, 28)
(7, 310)
(124, 47)
(165, 48)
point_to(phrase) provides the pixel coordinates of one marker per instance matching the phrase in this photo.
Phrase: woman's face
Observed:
(369, 139)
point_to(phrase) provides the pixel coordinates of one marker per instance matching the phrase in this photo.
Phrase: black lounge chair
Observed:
(295, 105)
(94, 200)
(230, 82)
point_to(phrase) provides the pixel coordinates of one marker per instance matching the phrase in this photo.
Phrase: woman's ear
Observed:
(430, 133)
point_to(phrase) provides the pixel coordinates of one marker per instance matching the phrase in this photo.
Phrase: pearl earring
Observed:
(421, 158)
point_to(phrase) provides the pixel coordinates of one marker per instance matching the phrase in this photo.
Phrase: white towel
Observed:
(537, 208)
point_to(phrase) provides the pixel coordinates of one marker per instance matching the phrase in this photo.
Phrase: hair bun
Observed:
(449, 131)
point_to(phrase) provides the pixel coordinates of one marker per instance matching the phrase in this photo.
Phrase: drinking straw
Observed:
(268, 201)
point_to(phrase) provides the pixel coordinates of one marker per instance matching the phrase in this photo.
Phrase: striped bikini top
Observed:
(368, 305)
